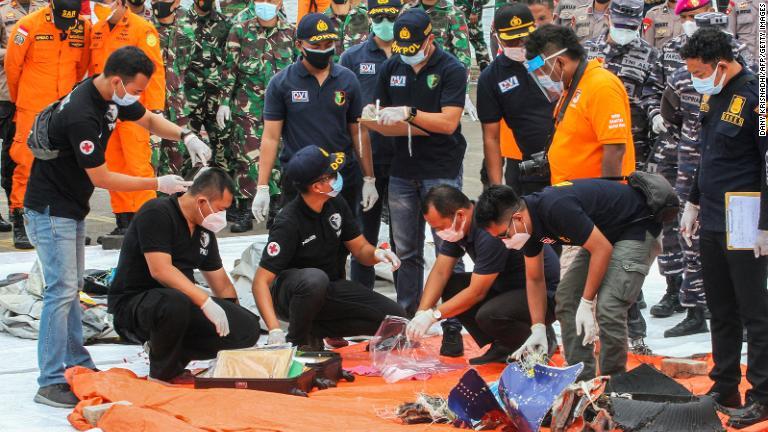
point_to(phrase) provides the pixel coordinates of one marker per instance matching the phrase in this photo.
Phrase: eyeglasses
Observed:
(326, 178)
(379, 18)
(506, 235)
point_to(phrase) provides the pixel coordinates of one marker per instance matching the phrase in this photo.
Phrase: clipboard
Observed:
(742, 212)
(397, 130)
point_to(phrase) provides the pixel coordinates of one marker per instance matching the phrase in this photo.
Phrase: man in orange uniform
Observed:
(47, 55)
(129, 151)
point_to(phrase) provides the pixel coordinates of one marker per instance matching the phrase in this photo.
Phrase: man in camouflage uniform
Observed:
(352, 24)
(449, 28)
(680, 108)
(171, 155)
(231, 8)
(660, 24)
(473, 13)
(257, 49)
(140, 8)
(633, 60)
(11, 11)
(201, 38)
(590, 21)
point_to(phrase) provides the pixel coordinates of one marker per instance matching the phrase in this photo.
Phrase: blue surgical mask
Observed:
(384, 30)
(707, 86)
(127, 99)
(338, 184)
(265, 11)
(414, 59)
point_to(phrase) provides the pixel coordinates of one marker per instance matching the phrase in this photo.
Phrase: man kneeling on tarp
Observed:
(490, 302)
(154, 297)
(299, 279)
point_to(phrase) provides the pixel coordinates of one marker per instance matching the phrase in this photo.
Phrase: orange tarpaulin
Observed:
(349, 407)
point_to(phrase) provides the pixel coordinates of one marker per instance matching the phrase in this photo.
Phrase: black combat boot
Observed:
(20, 239)
(6, 226)
(670, 303)
(693, 323)
(243, 219)
(122, 221)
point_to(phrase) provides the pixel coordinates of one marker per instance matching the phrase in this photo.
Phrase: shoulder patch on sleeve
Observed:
(151, 39)
(87, 147)
(273, 249)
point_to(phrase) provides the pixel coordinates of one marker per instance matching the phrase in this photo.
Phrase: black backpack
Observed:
(660, 196)
(38, 140)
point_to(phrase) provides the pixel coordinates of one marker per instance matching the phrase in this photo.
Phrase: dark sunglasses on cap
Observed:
(379, 18)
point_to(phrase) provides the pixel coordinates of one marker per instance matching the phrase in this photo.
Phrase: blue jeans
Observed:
(405, 199)
(60, 246)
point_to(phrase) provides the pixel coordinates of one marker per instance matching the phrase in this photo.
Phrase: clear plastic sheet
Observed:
(398, 359)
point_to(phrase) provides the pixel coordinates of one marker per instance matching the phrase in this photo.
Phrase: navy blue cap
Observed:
(627, 13)
(312, 162)
(315, 28)
(513, 21)
(411, 29)
(712, 19)
(382, 7)
(65, 13)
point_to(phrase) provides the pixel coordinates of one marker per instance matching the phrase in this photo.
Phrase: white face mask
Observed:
(515, 53)
(126, 100)
(452, 234)
(517, 240)
(690, 27)
(707, 86)
(622, 36)
(215, 221)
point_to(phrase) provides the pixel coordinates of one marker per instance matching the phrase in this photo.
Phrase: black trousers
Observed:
(314, 305)
(7, 131)
(735, 285)
(501, 316)
(178, 331)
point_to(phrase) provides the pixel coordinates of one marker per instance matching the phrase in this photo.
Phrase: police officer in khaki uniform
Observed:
(11, 11)
(590, 21)
(742, 22)
(563, 13)
(661, 24)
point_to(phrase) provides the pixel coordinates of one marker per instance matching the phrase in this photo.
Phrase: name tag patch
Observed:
(300, 96)
(508, 84)
(397, 81)
(367, 68)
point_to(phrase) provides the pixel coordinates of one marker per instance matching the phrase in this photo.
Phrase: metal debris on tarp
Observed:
(475, 405)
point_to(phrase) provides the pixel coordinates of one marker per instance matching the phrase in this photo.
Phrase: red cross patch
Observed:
(273, 249)
(87, 147)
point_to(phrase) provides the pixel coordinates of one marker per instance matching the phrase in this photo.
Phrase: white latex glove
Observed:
(689, 222)
(370, 195)
(392, 115)
(171, 184)
(387, 256)
(469, 108)
(419, 326)
(761, 244)
(585, 321)
(199, 151)
(260, 206)
(276, 337)
(537, 341)
(369, 112)
(217, 316)
(657, 124)
(222, 116)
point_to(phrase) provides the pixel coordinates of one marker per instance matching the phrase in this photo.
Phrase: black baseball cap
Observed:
(384, 7)
(513, 21)
(315, 28)
(312, 162)
(65, 13)
(411, 29)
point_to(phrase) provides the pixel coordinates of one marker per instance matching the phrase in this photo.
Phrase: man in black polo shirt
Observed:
(56, 202)
(299, 278)
(490, 301)
(365, 60)
(614, 226)
(314, 101)
(425, 86)
(506, 91)
(154, 297)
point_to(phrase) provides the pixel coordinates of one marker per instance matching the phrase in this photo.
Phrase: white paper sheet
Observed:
(742, 214)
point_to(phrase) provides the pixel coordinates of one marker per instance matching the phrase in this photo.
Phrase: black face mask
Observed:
(136, 2)
(205, 5)
(602, 1)
(339, 2)
(319, 60)
(163, 9)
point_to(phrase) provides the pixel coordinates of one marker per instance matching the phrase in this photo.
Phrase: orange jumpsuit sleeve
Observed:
(154, 96)
(609, 114)
(509, 148)
(19, 42)
(85, 58)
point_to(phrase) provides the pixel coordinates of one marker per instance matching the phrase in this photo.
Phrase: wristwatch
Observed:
(411, 114)
(436, 314)
(185, 133)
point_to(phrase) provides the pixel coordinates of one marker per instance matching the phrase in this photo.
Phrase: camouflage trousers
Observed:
(242, 156)
(476, 38)
(665, 163)
(202, 116)
(692, 289)
(169, 156)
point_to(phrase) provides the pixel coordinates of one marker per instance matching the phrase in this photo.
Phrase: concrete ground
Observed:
(101, 220)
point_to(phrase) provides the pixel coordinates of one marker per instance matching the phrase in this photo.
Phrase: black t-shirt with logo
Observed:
(567, 213)
(159, 226)
(80, 128)
(303, 238)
